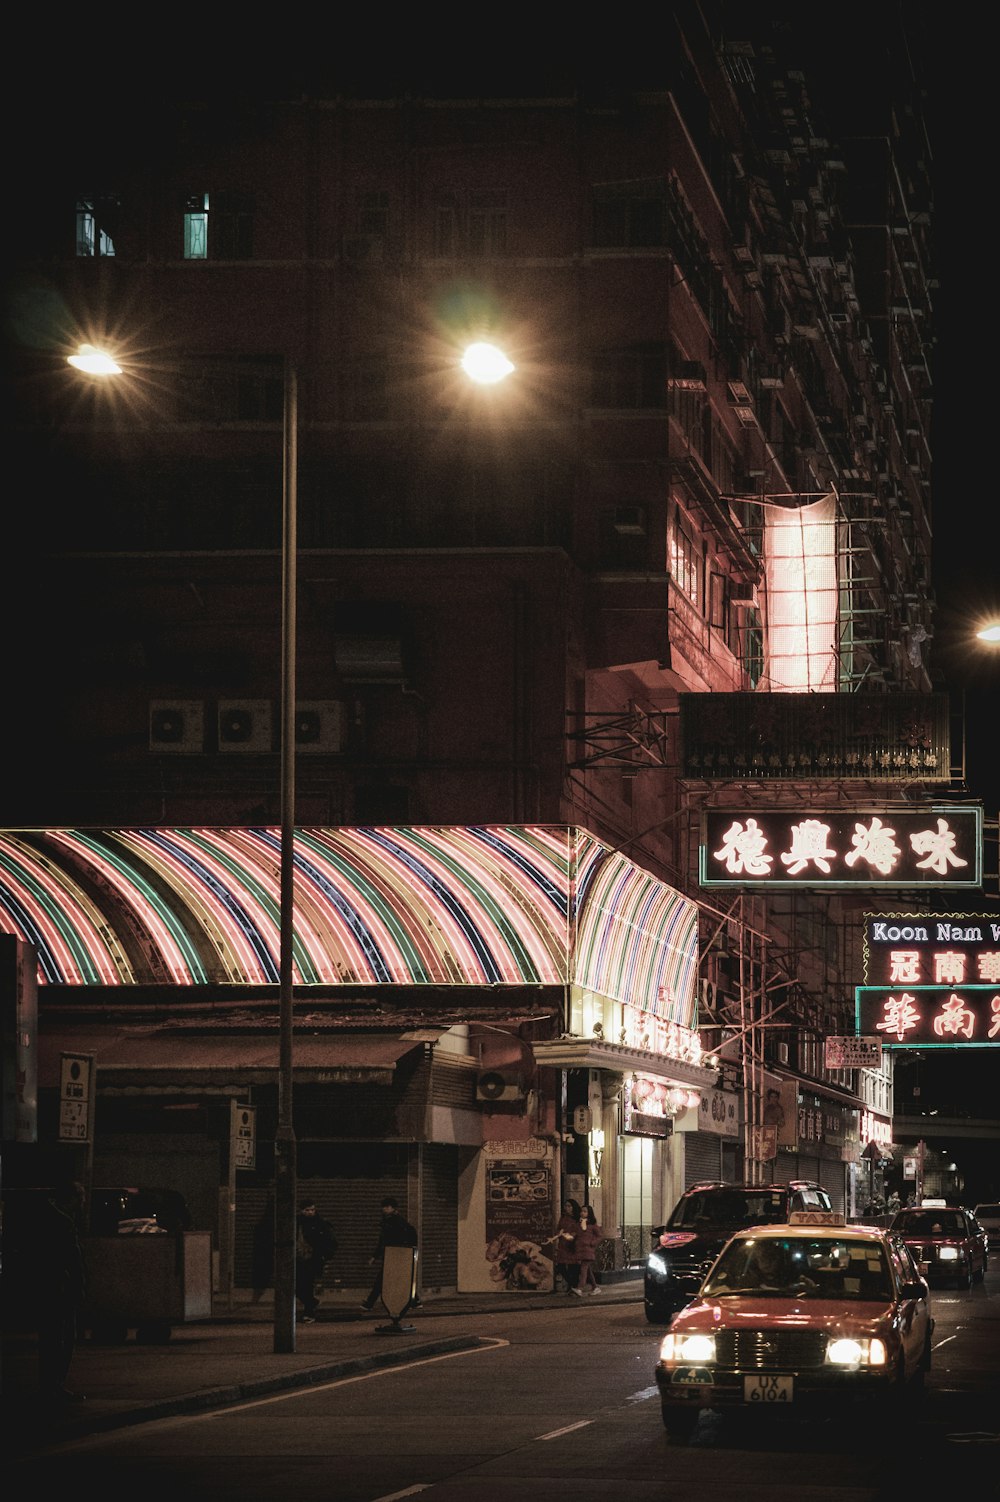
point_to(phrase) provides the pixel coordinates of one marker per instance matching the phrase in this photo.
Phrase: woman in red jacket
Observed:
(585, 1247)
(565, 1238)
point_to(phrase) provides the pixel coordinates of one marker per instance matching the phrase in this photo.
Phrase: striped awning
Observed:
(470, 905)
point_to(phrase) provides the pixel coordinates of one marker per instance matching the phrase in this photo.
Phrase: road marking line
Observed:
(410, 1491)
(568, 1429)
(643, 1395)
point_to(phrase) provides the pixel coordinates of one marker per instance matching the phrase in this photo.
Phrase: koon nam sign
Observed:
(934, 980)
(765, 847)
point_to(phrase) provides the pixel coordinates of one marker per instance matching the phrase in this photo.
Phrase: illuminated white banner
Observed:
(870, 847)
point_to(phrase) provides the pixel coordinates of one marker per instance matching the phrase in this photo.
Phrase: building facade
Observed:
(558, 602)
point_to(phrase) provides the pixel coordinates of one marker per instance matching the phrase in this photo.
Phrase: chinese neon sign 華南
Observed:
(930, 1016)
(939, 846)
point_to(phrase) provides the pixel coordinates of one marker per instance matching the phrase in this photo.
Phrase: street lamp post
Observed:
(98, 363)
(284, 1142)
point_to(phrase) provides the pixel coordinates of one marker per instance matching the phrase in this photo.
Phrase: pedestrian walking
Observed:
(62, 1286)
(585, 1245)
(394, 1230)
(566, 1262)
(315, 1244)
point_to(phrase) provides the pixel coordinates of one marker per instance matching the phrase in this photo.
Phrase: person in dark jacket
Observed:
(585, 1245)
(566, 1262)
(394, 1230)
(315, 1244)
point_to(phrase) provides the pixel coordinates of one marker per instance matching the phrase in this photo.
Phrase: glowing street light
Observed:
(989, 633)
(486, 364)
(94, 361)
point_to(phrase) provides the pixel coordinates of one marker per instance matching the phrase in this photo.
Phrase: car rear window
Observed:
(930, 1223)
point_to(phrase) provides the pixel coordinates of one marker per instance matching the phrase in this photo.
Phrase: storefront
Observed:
(434, 969)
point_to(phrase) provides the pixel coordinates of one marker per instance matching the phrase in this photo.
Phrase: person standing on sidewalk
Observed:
(566, 1262)
(585, 1245)
(394, 1230)
(315, 1244)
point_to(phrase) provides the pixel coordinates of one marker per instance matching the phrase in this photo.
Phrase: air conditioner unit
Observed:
(709, 994)
(319, 726)
(177, 727)
(494, 1086)
(245, 726)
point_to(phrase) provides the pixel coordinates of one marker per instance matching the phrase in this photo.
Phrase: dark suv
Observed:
(701, 1223)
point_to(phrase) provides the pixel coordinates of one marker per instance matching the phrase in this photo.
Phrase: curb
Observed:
(213, 1398)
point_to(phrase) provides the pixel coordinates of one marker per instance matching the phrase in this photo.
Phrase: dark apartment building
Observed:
(676, 563)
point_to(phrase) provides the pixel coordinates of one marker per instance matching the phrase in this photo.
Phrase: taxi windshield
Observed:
(817, 1268)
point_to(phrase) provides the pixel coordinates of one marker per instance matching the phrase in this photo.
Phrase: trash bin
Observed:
(146, 1283)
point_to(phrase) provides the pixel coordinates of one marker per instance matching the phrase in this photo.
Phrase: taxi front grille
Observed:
(770, 1350)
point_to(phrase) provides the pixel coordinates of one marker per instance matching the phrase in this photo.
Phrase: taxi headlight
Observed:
(657, 1264)
(695, 1349)
(948, 1253)
(847, 1352)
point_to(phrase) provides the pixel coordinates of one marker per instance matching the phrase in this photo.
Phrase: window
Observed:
(473, 224)
(488, 224)
(753, 648)
(623, 537)
(96, 222)
(629, 214)
(632, 376)
(684, 557)
(196, 227)
(231, 227)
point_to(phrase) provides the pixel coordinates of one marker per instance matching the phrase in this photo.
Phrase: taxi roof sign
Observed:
(816, 1218)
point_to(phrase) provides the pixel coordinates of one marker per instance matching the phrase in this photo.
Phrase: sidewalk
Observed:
(230, 1358)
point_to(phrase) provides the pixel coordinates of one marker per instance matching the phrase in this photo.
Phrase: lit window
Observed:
(684, 557)
(196, 227)
(95, 219)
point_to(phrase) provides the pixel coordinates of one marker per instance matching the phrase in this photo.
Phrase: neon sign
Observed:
(766, 847)
(930, 1016)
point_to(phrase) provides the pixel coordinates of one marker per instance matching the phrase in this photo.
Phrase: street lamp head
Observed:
(990, 633)
(486, 364)
(93, 361)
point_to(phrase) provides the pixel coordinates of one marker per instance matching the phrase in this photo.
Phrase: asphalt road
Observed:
(553, 1404)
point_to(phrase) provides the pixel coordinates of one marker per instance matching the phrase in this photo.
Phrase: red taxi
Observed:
(947, 1241)
(795, 1319)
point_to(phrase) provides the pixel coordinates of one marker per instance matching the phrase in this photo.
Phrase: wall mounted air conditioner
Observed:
(709, 994)
(319, 726)
(177, 727)
(494, 1086)
(245, 726)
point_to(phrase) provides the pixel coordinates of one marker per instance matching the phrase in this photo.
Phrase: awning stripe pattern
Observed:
(637, 937)
(467, 905)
